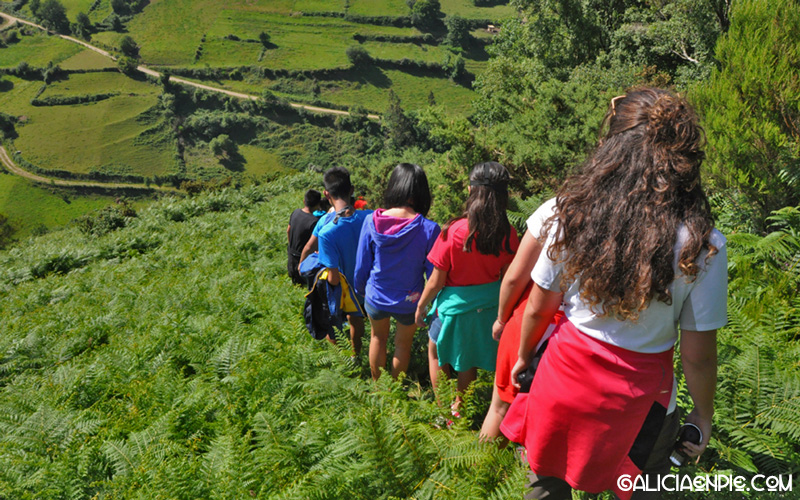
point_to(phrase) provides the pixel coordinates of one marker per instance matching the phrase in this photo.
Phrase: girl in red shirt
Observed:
(469, 258)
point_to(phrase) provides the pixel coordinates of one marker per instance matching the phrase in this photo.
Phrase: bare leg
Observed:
(356, 332)
(433, 364)
(403, 338)
(490, 431)
(464, 379)
(377, 346)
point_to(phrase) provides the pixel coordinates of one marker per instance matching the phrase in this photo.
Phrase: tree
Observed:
(454, 66)
(7, 123)
(128, 65)
(223, 147)
(34, 6)
(398, 127)
(120, 7)
(425, 14)
(114, 22)
(751, 108)
(82, 26)
(358, 55)
(54, 15)
(263, 37)
(457, 31)
(129, 47)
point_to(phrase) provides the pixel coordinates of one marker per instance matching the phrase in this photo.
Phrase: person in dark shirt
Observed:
(301, 225)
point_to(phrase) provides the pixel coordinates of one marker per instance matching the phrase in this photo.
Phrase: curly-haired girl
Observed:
(633, 253)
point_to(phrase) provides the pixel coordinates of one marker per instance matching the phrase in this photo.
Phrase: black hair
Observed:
(485, 210)
(337, 183)
(408, 185)
(312, 198)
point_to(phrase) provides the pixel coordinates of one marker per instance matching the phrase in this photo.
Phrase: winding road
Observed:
(14, 168)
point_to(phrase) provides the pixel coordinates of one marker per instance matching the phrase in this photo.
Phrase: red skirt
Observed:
(589, 404)
(508, 350)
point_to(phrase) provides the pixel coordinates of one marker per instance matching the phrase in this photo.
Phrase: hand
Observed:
(497, 329)
(520, 366)
(419, 317)
(695, 450)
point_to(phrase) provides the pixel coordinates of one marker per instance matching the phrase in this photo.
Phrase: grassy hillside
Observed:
(31, 207)
(168, 360)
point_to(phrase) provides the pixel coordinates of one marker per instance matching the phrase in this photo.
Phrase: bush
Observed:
(358, 56)
(751, 107)
(106, 220)
(70, 100)
(129, 47)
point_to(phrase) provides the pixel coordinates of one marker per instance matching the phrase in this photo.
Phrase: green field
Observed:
(28, 205)
(81, 137)
(86, 136)
(254, 160)
(465, 8)
(87, 59)
(383, 8)
(38, 50)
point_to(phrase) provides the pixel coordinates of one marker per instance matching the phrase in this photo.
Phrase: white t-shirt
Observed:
(538, 218)
(698, 305)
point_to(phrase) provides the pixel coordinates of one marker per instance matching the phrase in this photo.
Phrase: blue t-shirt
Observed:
(326, 217)
(338, 242)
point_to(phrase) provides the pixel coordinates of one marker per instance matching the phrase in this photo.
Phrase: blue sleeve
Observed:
(320, 224)
(433, 235)
(364, 257)
(328, 253)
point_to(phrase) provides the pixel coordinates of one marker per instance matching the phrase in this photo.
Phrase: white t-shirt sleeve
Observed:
(546, 273)
(706, 306)
(538, 218)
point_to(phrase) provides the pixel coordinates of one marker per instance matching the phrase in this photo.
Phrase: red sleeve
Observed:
(439, 255)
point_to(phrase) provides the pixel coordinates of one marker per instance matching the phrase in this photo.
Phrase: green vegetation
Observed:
(167, 358)
(37, 49)
(206, 385)
(30, 208)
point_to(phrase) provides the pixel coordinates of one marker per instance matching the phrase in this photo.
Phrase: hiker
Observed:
(337, 240)
(391, 264)
(514, 291)
(469, 258)
(301, 225)
(632, 252)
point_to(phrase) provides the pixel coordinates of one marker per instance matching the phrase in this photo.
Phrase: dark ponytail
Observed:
(485, 210)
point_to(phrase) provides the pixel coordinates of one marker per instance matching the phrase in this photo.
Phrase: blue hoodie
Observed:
(391, 260)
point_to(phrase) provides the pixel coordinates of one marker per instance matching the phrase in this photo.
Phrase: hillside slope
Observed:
(168, 359)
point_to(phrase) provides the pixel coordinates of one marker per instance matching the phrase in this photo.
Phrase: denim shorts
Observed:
(434, 329)
(377, 315)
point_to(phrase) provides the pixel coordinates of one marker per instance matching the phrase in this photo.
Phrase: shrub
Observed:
(358, 56)
(129, 47)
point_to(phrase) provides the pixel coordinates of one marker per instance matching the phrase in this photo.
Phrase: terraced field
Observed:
(305, 60)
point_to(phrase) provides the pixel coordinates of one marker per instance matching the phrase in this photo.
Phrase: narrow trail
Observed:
(12, 167)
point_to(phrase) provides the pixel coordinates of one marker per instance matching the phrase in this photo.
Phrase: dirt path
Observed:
(12, 167)
(148, 71)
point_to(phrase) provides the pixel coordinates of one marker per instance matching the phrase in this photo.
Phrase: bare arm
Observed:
(699, 361)
(435, 283)
(542, 305)
(333, 276)
(515, 280)
(311, 247)
(288, 230)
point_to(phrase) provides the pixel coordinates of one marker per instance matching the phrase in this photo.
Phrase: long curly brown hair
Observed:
(619, 217)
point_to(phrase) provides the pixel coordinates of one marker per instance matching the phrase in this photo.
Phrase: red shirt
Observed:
(468, 268)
